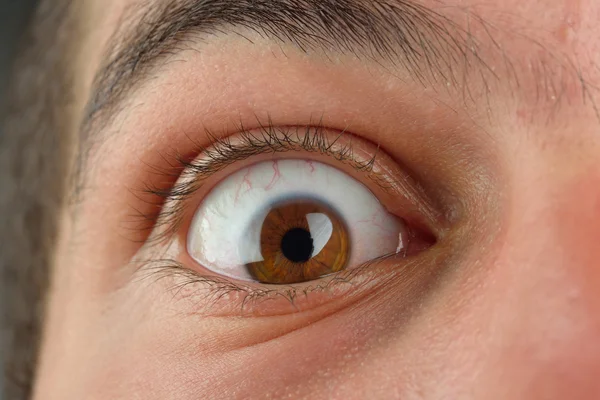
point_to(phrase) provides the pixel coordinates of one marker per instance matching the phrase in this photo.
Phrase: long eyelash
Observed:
(214, 288)
(222, 153)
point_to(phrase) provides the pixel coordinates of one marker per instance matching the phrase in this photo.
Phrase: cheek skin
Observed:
(210, 358)
(339, 357)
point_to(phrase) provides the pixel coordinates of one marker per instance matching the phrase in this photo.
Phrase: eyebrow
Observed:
(425, 43)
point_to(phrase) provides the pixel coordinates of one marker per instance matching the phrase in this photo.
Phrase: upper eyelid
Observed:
(222, 153)
(276, 139)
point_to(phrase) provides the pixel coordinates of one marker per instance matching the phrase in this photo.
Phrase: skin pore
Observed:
(491, 130)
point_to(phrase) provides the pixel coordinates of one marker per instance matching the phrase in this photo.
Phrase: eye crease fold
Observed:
(221, 153)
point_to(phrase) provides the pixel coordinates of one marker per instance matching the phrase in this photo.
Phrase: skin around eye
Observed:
(290, 221)
(342, 186)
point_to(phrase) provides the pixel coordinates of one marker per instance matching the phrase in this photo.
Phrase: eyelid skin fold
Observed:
(394, 185)
(365, 162)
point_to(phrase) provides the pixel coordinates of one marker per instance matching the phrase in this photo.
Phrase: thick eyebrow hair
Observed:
(427, 44)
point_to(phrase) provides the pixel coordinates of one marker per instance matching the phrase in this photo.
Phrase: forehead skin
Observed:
(557, 32)
(541, 57)
(498, 339)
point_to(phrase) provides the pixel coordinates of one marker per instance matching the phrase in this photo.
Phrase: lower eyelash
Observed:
(208, 290)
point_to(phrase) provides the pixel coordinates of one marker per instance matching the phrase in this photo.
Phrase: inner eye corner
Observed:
(421, 238)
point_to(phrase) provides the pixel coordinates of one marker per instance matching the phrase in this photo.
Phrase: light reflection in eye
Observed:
(291, 221)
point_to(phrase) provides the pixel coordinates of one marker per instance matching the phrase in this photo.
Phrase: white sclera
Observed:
(225, 233)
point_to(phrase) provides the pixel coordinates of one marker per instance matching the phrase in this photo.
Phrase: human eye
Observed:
(291, 221)
(284, 219)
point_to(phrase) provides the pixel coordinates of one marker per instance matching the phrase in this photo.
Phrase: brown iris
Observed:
(300, 241)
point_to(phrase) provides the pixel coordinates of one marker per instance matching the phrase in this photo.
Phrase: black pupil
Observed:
(297, 245)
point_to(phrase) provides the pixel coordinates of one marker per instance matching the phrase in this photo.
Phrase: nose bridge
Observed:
(547, 286)
(553, 233)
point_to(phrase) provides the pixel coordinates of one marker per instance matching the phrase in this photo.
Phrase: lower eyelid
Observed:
(211, 295)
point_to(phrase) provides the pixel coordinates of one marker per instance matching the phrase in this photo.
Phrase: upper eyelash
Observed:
(221, 153)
